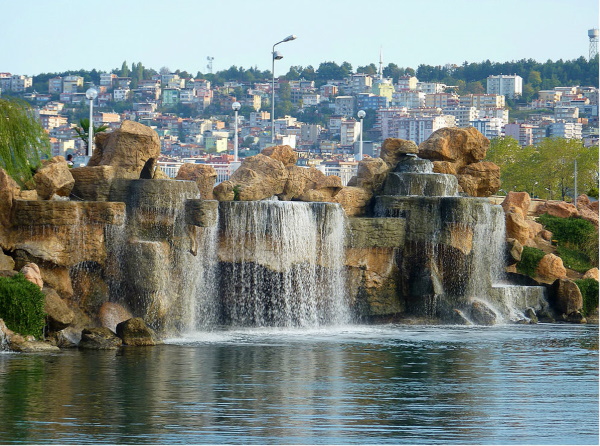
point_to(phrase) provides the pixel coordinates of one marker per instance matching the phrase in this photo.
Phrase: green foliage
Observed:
(84, 129)
(236, 192)
(593, 192)
(589, 292)
(574, 259)
(23, 141)
(530, 258)
(22, 305)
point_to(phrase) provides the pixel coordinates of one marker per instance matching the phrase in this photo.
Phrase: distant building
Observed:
(441, 100)
(567, 130)
(369, 101)
(489, 127)
(463, 115)
(523, 133)
(419, 128)
(71, 84)
(344, 105)
(55, 84)
(19, 83)
(349, 132)
(507, 85)
(406, 83)
(482, 101)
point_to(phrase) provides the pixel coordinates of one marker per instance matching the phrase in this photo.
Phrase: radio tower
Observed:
(210, 61)
(593, 35)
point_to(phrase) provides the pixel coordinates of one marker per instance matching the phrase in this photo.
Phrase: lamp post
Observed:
(91, 94)
(361, 115)
(236, 107)
(276, 55)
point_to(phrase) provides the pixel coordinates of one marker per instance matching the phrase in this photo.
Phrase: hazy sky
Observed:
(47, 36)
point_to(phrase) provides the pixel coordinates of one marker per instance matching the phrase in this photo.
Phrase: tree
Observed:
(84, 129)
(23, 141)
(124, 70)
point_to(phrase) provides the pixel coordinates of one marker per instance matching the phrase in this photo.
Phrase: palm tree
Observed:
(84, 129)
(23, 140)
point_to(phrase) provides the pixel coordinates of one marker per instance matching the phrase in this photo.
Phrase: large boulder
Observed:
(371, 174)
(591, 274)
(480, 179)
(393, 150)
(285, 154)
(134, 331)
(482, 314)
(100, 338)
(112, 314)
(6, 262)
(224, 191)
(9, 190)
(566, 297)
(133, 151)
(58, 313)
(204, 175)
(354, 200)
(32, 273)
(304, 182)
(258, 177)
(516, 226)
(550, 268)
(558, 209)
(520, 201)
(92, 183)
(54, 178)
(460, 146)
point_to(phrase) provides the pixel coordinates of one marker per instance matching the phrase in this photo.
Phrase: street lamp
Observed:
(276, 55)
(236, 107)
(91, 94)
(361, 115)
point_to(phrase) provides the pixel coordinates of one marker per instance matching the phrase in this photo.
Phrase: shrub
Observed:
(574, 259)
(22, 305)
(589, 291)
(530, 258)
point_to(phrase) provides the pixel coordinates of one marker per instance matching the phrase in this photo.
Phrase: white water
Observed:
(286, 264)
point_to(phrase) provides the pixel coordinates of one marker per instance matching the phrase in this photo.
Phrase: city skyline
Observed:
(55, 37)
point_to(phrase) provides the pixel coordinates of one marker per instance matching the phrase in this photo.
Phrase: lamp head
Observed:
(290, 37)
(91, 93)
(236, 106)
(277, 55)
(361, 114)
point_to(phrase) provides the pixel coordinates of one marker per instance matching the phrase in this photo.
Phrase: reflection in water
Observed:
(387, 384)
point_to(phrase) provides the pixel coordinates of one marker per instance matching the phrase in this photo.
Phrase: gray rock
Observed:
(100, 338)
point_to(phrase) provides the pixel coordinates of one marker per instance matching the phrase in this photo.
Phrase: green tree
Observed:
(83, 130)
(23, 141)
(124, 70)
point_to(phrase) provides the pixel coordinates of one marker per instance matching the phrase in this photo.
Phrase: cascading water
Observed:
(282, 264)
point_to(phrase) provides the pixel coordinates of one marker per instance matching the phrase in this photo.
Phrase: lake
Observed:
(511, 384)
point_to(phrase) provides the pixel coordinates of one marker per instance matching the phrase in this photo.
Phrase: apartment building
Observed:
(359, 83)
(431, 87)
(523, 133)
(370, 101)
(19, 83)
(482, 101)
(329, 90)
(386, 120)
(409, 99)
(121, 94)
(344, 105)
(419, 128)
(563, 129)
(463, 115)
(108, 79)
(442, 100)
(489, 127)
(406, 83)
(349, 132)
(72, 84)
(566, 113)
(506, 85)
(55, 85)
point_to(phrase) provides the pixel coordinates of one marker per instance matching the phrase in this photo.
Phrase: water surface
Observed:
(351, 385)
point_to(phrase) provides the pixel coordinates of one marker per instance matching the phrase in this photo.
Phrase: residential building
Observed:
(344, 105)
(523, 133)
(311, 99)
(335, 124)
(431, 87)
(384, 87)
(409, 99)
(370, 101)
(260, 119)
(72, 84)
(329, 90)
(419, 128)
(441, 100)
(170, 96)
(566, 113)
(55, 84)
(121, 94)
(482, 101)
(386, 120)
(507, 85)
(551, 96)
(310, 133)
(187, 95)
(463, 115)
(489, 127)
(19, 83)
(567, 130)
(359, 83)
(349, 132)
(108, 79)
(407, 83)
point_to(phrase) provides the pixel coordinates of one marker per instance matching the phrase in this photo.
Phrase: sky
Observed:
(50, 36)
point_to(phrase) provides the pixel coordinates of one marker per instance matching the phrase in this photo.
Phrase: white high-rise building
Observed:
(507, 85)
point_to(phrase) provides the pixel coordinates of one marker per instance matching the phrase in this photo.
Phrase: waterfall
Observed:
(282, 264)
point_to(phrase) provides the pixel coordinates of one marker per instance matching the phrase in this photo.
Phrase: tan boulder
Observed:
(393, 149)
(224, 191)
(566, 296)
(591, 274)
(32, 273)
(558, 209)
(58, 313)
(9, 190)
(259, 177)
(589, 215)
(132, 150)
(514, 250)
(583, 202)
(6, 262)
(285, 154)
(92, 183)
(204, 175)
(354, 200)
(519, 200)
(516, 226)
(535, 228)
(445, 167)
(371, 174)
(134, 331)
(111, 314)
(480, 179)
(551, 268)
(54, 178)
(100, 338)
(458, 145)
(304, 182)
